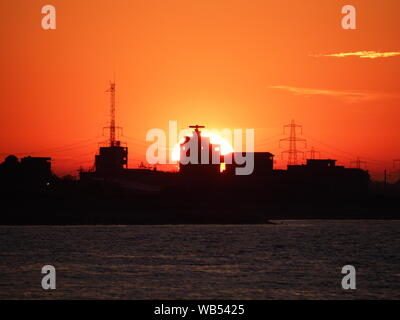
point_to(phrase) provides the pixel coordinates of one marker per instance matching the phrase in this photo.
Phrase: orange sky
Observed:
(220, 63)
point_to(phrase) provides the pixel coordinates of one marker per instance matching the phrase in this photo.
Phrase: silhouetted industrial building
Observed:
(323, 175)
(29, 172)
(112, 159)
(263, 163)
(36, 166)
(198, 156)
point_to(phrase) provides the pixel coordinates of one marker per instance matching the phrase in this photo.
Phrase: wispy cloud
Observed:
(361, 54)
(351, 96)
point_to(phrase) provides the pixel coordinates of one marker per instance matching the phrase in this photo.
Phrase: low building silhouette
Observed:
(263, 163)
(324, 176)
(30, 172)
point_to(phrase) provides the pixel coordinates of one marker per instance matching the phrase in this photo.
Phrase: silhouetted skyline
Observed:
(223, 64)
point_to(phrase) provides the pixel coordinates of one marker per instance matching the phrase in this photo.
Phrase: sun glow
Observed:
(226, 147)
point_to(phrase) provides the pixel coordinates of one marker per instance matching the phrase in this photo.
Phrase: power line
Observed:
(349, 155)
(64, 148)
(358, 163)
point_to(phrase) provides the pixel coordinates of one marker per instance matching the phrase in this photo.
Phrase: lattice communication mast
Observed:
(112, 128)
(112, 158)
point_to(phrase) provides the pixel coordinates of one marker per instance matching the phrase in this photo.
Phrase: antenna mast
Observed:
(112, 114)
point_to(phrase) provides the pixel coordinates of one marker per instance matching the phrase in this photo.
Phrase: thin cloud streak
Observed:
(361, 54)
(350, 96)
